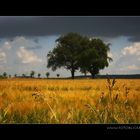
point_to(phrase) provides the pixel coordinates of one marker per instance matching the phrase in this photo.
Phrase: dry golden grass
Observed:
(69, 101)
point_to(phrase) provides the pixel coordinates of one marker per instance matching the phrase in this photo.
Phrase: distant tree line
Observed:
(31, 75)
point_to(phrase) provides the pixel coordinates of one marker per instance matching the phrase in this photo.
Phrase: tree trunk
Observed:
(72, 74)
(85, 74)
(92, 75)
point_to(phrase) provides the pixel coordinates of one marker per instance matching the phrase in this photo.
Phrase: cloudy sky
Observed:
(26, 40)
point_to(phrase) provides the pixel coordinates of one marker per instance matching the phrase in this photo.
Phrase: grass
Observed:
(69, 101)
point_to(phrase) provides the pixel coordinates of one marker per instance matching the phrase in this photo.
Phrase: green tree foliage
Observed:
(76, 52)
(39, 75)
(4, 74)
(47, 74)
(94, 57)
(32, 73)
(57, 75)
(15, 75)
(66, 52)
(23, 75)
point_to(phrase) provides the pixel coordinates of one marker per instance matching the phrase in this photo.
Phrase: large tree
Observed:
(94, 56)
(74, 52)
(66, 52)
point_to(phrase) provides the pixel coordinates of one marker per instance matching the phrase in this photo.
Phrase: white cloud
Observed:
(26, 42)
(110, 54)
(134, 49)
(7, 45)
(2, 57)
(128, 68)
(127, 61)
(133, 67)
(27, 56)
(20, 39)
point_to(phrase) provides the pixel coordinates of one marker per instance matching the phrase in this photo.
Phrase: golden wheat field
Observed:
(83, 101)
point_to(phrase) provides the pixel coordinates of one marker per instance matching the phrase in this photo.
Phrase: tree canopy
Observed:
(32, 73)
(76, 52)
(94, 57)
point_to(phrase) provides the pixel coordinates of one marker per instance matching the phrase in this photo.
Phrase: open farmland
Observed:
(83, 101)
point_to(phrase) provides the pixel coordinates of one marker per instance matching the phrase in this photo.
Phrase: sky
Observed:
(26, 40)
